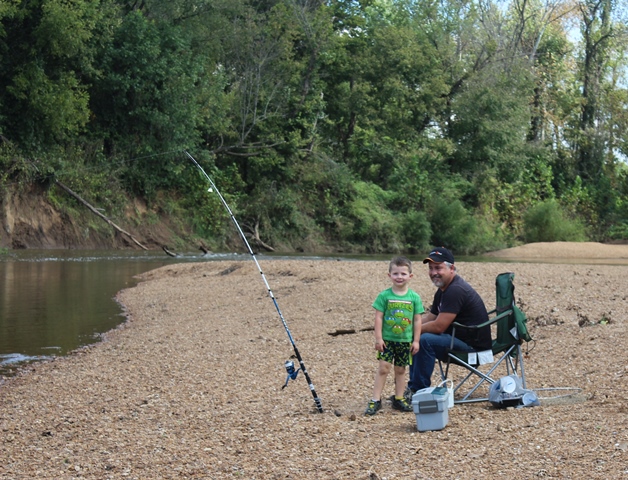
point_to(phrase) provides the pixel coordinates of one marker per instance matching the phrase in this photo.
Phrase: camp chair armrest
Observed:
(490, 322)
(482, 325)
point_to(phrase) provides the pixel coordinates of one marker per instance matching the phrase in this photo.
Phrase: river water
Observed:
(55, 301)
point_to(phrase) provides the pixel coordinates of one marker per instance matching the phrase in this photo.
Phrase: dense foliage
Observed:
(374, 125)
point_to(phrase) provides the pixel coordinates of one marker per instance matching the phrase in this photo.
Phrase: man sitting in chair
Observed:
(455, 300)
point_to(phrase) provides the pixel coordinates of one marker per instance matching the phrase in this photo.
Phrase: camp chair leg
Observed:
(523, 373)
(466, 398)
(443, 374)
(472, 371)
(483, 377)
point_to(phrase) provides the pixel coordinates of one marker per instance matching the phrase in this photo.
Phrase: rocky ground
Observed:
(191, 386)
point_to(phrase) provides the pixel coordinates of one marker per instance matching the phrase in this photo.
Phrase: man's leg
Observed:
(432, 346)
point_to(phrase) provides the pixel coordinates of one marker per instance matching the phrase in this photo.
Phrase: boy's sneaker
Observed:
(407, 394)
(401, 404)
(374, 407)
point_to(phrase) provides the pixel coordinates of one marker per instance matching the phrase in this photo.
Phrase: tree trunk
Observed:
(80, 199)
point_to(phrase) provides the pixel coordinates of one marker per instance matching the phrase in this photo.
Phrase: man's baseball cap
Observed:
(440, 255)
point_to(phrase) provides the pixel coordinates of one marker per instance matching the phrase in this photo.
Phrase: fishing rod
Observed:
(292, 373)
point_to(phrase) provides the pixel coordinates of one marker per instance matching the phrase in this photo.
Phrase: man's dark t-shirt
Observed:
(460, 298)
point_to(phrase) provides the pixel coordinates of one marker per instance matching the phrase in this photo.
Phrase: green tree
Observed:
(597, 31)
(48, 48)
(150, 97)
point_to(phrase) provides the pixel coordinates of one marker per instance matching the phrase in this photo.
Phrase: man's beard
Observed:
(438, 282)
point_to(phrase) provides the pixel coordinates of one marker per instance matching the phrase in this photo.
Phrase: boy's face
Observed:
(400, 276)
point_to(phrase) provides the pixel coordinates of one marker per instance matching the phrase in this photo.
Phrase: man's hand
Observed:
(439, 324)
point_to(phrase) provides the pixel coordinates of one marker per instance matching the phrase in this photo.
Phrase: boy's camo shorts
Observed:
(397, 353)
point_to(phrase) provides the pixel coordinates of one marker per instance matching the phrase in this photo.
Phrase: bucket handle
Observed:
(448, 382)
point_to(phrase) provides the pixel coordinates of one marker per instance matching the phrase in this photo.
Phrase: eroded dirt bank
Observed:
(29, 220)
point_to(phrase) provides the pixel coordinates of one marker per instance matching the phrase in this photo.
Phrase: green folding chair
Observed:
(511, 331)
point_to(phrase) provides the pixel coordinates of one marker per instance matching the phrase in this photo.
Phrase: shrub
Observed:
(619, 231)
(416, 230)
(454, 227)
(547, 222)
(371, 223)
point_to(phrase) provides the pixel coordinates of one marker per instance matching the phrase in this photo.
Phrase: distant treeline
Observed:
(374, 126)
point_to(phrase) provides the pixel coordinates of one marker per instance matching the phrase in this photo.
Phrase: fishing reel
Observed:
(292, 372)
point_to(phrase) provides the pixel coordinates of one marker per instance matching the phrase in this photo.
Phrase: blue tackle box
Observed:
(431, 408)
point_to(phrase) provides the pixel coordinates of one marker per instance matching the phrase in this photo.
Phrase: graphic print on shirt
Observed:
(398, 316)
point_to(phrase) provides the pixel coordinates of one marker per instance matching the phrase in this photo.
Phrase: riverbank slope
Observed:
(31, 221)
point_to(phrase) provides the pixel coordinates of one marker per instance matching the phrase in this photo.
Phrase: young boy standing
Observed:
(397, 331)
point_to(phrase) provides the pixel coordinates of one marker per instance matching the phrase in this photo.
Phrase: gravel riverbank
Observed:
(191, 386)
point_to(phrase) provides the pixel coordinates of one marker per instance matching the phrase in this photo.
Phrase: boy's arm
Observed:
(379, 323)
(416, 323)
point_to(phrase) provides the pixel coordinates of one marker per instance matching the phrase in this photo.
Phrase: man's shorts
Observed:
(397, 353)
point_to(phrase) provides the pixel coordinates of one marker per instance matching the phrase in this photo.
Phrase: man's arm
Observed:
(427, 317)
(437, 323)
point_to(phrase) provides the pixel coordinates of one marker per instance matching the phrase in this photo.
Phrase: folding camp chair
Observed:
(511, 332)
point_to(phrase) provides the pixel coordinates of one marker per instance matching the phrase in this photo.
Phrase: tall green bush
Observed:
(368, 221)
(455, 227)
(416, 230)
(547, 222)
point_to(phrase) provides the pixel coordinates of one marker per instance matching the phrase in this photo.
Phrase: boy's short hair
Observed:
(400, 262)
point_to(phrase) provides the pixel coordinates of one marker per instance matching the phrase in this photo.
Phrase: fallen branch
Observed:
(78, 197)
(341, 332)
(256, 237)
(349, 331)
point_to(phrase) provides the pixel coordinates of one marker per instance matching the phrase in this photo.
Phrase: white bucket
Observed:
(530, 400)
(508, 384)
(450, 390)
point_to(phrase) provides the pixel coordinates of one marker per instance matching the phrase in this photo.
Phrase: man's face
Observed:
(440, 274)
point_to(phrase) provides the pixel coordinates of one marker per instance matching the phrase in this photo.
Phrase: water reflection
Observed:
(53, 302)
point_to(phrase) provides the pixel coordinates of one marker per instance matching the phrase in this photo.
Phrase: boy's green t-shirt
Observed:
(399, 312)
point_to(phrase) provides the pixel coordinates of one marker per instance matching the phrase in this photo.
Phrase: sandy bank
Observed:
(565, 250)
